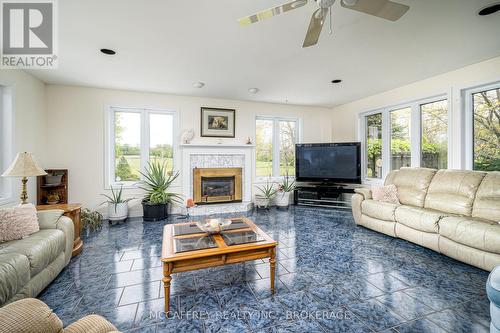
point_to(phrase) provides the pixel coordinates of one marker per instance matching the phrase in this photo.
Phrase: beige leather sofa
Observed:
(31, 315)
(454, 212)
(28, 265)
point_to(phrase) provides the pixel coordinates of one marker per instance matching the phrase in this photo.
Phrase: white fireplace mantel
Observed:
(215, 145)
(217, 156)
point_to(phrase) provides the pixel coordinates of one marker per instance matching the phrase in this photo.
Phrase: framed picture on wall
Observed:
(217, 123)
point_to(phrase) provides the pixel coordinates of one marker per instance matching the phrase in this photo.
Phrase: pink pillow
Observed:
(18, 222)
(387, 193)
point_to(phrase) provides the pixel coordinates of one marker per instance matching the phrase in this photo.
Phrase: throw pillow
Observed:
(387, 193)
(18, 222)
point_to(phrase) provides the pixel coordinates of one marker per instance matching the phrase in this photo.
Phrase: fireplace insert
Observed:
(217, 185)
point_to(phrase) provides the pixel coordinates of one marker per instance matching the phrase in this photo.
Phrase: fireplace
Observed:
(217, 185)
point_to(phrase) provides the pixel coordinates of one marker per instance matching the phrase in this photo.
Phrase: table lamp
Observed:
(24, 166)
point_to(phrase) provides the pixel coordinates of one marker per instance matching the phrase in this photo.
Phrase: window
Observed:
(400, 138)
(434, 151)
(485, 113)
(275, 140)
(414, 134)
(374, 146)
(264, 147)
(138, 136)
(6, 142)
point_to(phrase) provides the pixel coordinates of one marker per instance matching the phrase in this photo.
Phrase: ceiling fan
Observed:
(385, 9)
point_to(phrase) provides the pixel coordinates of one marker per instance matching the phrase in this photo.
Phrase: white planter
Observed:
(282, 199)
(261, 201)
(120, 213)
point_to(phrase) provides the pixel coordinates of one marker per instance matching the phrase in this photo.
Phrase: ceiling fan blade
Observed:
(268, 13)
(385, 9)
(315, 27)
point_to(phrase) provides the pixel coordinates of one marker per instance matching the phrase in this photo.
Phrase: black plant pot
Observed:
(154, 212)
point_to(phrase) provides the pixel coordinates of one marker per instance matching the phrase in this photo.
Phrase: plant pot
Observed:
(117, 212)
(53, 179)
(154, 212)
(261, 201)
(283, 199)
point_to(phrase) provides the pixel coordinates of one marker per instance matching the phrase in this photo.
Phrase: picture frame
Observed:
(218, 122)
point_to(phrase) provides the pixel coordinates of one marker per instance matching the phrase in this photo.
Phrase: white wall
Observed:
(345, 124)
(29, 116)
(76, 130)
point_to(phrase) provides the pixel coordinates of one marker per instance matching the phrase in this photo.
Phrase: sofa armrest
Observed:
(91, 324)
(29, 315)
(47, 219)
(365, 192)
(53, 219)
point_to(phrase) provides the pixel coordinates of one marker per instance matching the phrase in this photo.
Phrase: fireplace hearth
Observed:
(217, 185)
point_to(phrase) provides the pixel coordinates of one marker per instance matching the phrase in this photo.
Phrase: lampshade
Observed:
(24, 166)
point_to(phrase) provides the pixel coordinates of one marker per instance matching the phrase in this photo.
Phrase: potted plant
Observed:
(284, 190)
(117, 206)
(263, 198)
(156, 182)
(90, 220)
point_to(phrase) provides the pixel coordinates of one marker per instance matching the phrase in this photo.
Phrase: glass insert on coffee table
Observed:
(186, 247)
(193, 243)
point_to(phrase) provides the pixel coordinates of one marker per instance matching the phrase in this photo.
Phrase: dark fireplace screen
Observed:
(217, 187)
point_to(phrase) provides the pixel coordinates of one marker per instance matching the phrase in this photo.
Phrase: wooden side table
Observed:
(73, 212)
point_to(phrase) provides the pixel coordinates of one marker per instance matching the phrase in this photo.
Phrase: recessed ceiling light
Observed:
(108, 51)
(198, 85)
(253, 90)
(336, 81)
(490, 9)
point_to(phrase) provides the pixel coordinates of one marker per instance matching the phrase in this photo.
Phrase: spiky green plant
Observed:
(287, 185)
(116, 197)
(156, 182)
(268, 191)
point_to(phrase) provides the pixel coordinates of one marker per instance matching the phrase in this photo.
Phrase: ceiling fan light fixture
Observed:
(198, 85)
(350, 2)
(298, 3)
(253, 90)
(490, 9)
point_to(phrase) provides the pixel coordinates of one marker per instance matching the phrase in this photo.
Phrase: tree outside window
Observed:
(486, 115)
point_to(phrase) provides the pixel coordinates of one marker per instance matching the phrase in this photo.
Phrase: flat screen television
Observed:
(328, 162)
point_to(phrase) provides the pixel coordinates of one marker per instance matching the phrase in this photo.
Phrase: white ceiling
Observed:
(166, 45)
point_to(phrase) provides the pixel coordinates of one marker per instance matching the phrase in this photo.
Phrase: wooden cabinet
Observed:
(51, 190)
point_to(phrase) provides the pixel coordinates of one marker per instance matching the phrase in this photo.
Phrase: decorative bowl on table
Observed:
(214, 226)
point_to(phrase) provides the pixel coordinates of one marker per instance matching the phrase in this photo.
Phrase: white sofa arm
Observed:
(365, 192)
(53, 219)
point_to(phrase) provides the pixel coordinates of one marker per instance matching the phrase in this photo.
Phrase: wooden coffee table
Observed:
(181, 253)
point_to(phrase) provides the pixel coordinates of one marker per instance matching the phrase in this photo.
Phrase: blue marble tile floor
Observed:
(332, 276)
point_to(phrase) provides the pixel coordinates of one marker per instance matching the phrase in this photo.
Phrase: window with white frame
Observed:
(412, 134)
(275, 140)
(483, 119)
(137, 137)
(6, 142)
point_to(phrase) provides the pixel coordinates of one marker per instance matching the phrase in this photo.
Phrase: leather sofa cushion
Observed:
(14, 275)
(487, 201)
(480, 234)
(453, 191)
(41, 248)
(379, 210)
(412, 184)
(419, 218)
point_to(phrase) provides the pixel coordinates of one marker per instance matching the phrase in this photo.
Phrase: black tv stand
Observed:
(325, 195)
